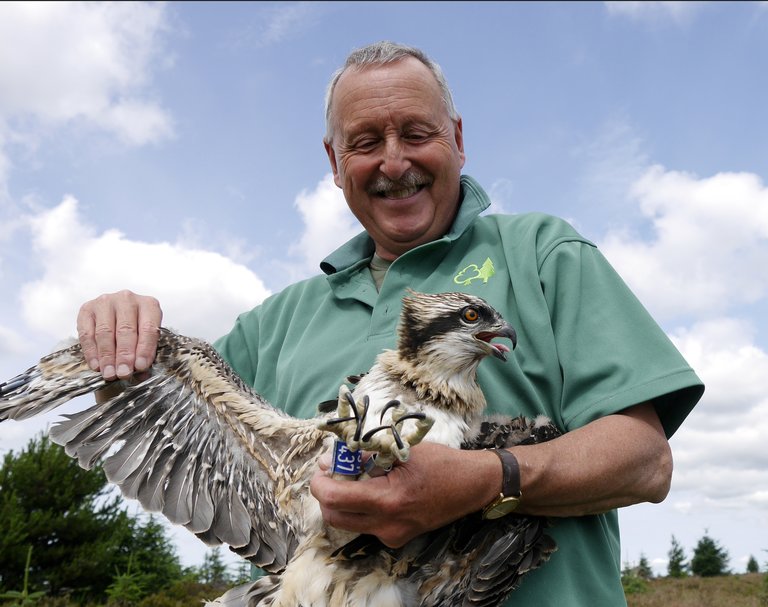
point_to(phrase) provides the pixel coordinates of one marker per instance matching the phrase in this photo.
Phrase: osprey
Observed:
(194, 442)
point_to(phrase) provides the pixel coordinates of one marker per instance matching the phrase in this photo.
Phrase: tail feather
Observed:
(261, 592)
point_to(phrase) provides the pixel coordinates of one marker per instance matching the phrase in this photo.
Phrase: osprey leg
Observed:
(389, 441)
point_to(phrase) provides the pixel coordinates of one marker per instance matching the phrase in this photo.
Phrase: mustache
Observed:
(410, 179)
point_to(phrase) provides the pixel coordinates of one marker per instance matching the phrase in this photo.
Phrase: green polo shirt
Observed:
(586, 348)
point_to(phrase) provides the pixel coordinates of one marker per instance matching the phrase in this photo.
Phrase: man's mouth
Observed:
(400, 193)
(409, 184)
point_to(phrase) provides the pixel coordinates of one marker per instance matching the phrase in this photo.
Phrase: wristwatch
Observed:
(510, 495)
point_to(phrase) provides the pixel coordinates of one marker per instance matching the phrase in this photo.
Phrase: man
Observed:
(589, 356)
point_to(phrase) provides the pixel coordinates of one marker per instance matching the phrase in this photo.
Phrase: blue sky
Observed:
(175, 149)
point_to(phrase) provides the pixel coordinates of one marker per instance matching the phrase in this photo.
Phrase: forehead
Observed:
(396, 92)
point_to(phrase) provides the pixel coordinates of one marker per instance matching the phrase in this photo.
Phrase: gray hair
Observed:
(381, 53)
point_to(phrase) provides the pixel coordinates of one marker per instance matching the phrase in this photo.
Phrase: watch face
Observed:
(501, 506)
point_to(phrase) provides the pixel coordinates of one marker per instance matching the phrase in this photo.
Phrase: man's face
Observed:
(396, 153)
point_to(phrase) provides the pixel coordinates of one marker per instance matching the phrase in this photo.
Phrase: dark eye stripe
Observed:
(445, 323)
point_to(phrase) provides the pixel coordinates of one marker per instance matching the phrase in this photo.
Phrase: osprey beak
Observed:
(497, 349)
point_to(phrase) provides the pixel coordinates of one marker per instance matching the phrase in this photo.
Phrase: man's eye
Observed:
(365, 144)
(415, 136)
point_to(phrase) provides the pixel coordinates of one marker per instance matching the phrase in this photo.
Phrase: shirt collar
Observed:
(360, 248)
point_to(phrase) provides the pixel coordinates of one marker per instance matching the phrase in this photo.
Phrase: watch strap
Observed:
(510, 485)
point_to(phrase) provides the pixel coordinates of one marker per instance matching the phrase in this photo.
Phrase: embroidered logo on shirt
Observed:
(472, 272)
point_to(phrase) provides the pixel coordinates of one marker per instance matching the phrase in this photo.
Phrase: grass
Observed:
(748, 590)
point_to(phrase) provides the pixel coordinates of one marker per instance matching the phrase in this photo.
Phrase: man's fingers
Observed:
(324, 462)
(96, 330)
(334, 506)
(150, 318)
(86, 336)
(345, 496)
(126, 313)
(118, 333)
(348, 521)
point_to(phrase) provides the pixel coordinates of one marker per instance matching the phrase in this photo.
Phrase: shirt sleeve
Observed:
(612, 353)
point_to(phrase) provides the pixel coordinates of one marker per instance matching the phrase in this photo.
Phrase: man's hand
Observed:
(118, 333)
(436, 486)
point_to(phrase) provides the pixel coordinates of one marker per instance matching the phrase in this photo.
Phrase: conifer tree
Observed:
(644, 570)
(677, 566)
(709, 558)
(79, 533)
(82, 537)
(153, 555)
(752, 566)
(214, 571)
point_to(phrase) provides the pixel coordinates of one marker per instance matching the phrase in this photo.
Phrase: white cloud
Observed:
(5, 169)
(275, 24)
(135, 122)
(654, 11)
(683, 507)
(196, 233)
(11, 343)
(719, 451)
(697, 257)
(284, 20)
(614, 157)
(89, 61)
(328, 223)
(201, 292)
(708, 242)
(733, 367)
(502, 195)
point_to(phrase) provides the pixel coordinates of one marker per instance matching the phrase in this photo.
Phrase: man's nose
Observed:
(394, 162)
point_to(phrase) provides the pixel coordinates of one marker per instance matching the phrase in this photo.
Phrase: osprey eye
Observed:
(470, 315)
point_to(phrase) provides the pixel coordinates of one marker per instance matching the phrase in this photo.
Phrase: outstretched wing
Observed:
(191, 441)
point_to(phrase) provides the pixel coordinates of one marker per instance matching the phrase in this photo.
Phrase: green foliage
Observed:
(632, 581)
(182, 593)
(752, 566)
(644, 570)
(709, 558)
(692, 591)
(79, 529)
(127, 588)
(634, 585)
(64, 512)
(764, 591)
(153, 556)
(677, 566)
(242, 573)
(23, 598)
(214, 571)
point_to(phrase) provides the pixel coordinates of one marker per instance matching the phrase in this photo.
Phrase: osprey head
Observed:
(452, 323)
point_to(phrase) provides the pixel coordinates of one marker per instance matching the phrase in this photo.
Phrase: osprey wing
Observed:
(191, 441)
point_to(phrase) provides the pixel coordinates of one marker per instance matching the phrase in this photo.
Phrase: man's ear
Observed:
(459, 138)
(332, 159)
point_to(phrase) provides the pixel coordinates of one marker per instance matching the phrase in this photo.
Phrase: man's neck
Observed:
(379, 266)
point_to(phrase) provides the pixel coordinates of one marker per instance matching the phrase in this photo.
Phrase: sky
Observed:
(176, 150)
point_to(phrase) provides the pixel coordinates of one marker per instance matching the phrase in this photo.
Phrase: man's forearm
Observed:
(615, 461)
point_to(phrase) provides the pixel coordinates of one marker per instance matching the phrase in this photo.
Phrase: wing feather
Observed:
(231, 522)
(191, 441)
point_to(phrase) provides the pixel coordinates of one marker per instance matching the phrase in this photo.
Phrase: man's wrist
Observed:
(510, 494)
